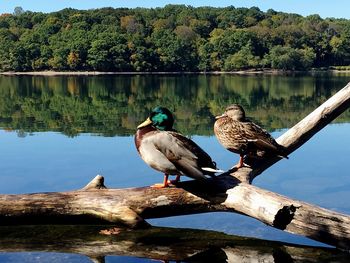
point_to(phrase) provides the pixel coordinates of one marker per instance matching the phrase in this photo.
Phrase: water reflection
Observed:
(114, 105)
(160, 244)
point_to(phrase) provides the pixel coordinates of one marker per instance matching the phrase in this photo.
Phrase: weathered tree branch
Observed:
(302, 131)
(231, 191)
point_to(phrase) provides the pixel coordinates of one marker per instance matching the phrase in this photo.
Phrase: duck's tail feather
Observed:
(212, 170)
(275, 148)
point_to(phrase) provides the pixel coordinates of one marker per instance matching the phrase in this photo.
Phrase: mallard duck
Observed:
(168, 151)
(240, 135)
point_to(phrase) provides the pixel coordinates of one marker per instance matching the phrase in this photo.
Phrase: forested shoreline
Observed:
(175, 38)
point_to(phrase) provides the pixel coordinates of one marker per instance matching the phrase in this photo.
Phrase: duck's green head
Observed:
(161, 118)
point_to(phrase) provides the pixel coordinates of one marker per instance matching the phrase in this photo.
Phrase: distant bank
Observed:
(240, 72)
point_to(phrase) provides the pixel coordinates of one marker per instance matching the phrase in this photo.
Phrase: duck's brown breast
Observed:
(141, 133)
(229, 134)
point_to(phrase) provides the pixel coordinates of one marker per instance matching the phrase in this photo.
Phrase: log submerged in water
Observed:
(231, 191)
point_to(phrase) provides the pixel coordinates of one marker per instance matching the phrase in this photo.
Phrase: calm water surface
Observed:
(57, 133)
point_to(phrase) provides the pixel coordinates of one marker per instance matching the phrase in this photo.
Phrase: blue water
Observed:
(49, 161)
(34, 257)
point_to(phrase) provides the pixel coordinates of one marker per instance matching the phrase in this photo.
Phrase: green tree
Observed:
(7, 41)
(174, 53)
(18, 11)
(243, 59)
(109, 52)
(73, 60)
(130, 24)
(340, 46)
(288, 58)
(205, 52)
(185, 34)
(142, 54)
(172, 38)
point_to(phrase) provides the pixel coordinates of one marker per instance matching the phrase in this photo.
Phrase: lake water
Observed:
(57, 133)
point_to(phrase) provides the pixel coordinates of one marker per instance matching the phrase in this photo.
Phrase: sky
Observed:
(325, 8)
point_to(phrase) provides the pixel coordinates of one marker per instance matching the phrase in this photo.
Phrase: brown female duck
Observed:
(239, 135)
(168, 151)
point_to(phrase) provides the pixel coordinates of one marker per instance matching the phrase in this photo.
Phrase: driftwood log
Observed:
(231, 191)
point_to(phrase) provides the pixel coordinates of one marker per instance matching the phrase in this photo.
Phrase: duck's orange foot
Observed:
(168, 184)
(240, 163)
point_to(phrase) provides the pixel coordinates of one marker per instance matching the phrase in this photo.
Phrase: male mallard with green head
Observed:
(168, 151)
(239, 135)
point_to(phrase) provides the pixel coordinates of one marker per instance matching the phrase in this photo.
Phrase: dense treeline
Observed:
(173, 38)
(111, 105)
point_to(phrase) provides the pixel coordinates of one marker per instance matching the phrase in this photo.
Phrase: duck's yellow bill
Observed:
(145, 123)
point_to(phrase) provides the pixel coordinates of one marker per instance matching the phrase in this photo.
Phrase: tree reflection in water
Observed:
(114, 105)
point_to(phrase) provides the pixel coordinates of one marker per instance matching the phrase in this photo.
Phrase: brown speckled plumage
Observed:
(239, 135)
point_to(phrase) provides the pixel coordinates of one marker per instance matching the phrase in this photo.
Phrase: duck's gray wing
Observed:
(180, 152)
